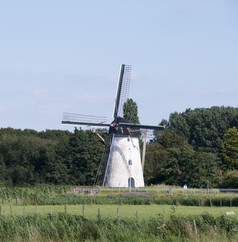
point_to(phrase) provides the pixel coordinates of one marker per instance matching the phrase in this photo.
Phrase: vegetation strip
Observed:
(117, 211)
(61, 227)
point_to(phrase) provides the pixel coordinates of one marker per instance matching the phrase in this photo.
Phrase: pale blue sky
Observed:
(58, 56)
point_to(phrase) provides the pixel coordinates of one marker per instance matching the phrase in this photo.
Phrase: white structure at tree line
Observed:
(121, 166)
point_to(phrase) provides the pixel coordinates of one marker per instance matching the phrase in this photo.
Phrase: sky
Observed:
(64, 56)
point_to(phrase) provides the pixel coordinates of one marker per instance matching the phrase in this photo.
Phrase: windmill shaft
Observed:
(140, 126)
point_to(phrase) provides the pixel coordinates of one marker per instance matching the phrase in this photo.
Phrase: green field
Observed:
(111, 211)
(55, 213)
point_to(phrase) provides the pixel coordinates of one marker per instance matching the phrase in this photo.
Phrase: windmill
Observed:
(122, 162)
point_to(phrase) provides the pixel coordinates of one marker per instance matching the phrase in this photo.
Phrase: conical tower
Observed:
(124, 163)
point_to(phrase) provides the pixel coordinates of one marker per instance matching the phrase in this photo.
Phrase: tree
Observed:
(229, 179)
(173, 140)
(84, 156)
(171, 160)
(130, 111)
(229, 148)
(204, 128)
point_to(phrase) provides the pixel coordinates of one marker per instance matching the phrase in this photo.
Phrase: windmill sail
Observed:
(82, 119)
(122, 90)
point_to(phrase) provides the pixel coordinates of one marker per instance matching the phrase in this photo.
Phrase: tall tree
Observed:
(229, 148)
(130, 111)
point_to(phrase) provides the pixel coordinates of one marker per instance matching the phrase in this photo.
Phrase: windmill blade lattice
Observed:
(125, 89)
(122, 90)
(74, 118)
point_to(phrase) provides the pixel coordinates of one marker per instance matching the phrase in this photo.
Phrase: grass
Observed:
(61, 227)
(125, 211)
(138, 199)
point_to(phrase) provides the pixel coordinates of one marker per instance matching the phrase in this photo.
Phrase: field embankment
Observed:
(62, 227)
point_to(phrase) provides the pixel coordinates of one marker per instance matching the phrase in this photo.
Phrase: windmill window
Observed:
(130, 162)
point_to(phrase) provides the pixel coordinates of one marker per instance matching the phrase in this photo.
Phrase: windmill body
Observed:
(123, 166)
(124, 163)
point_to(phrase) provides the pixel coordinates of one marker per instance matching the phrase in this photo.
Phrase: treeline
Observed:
(199, 148)
(57, 157)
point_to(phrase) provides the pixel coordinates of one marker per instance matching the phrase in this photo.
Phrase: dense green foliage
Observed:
(204, 128)
(199, 148)
(52, 157)
(173, 161)
(130, 111)
(229, 148)
(65, 227)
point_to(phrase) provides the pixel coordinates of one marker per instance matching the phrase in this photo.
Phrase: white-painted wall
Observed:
(119, 171)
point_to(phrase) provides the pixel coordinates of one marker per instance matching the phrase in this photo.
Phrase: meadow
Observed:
(50, 213)
(115, 211)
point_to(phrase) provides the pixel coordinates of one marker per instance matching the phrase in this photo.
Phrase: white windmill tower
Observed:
(123, 166)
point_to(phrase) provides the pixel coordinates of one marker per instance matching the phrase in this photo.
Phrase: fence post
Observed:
(136, 214)
(221, 203)
(36, 210)
(195, 227)
(117, 212)
(83, 210)
(16, 201)
(230, 202)
(99, 214)
(65, 209)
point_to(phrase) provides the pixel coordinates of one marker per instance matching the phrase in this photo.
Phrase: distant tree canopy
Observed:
(130, 111)
(204, 128)
(198, 147)
(171, 160)
(29, 157)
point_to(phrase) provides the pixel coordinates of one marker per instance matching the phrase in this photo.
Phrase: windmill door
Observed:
(131, 182)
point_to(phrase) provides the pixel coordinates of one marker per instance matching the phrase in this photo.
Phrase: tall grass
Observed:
(56, 195)
(212, 200)
(61, 227)
(32, 194)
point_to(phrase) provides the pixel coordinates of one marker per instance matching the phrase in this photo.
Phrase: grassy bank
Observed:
(61, 227)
